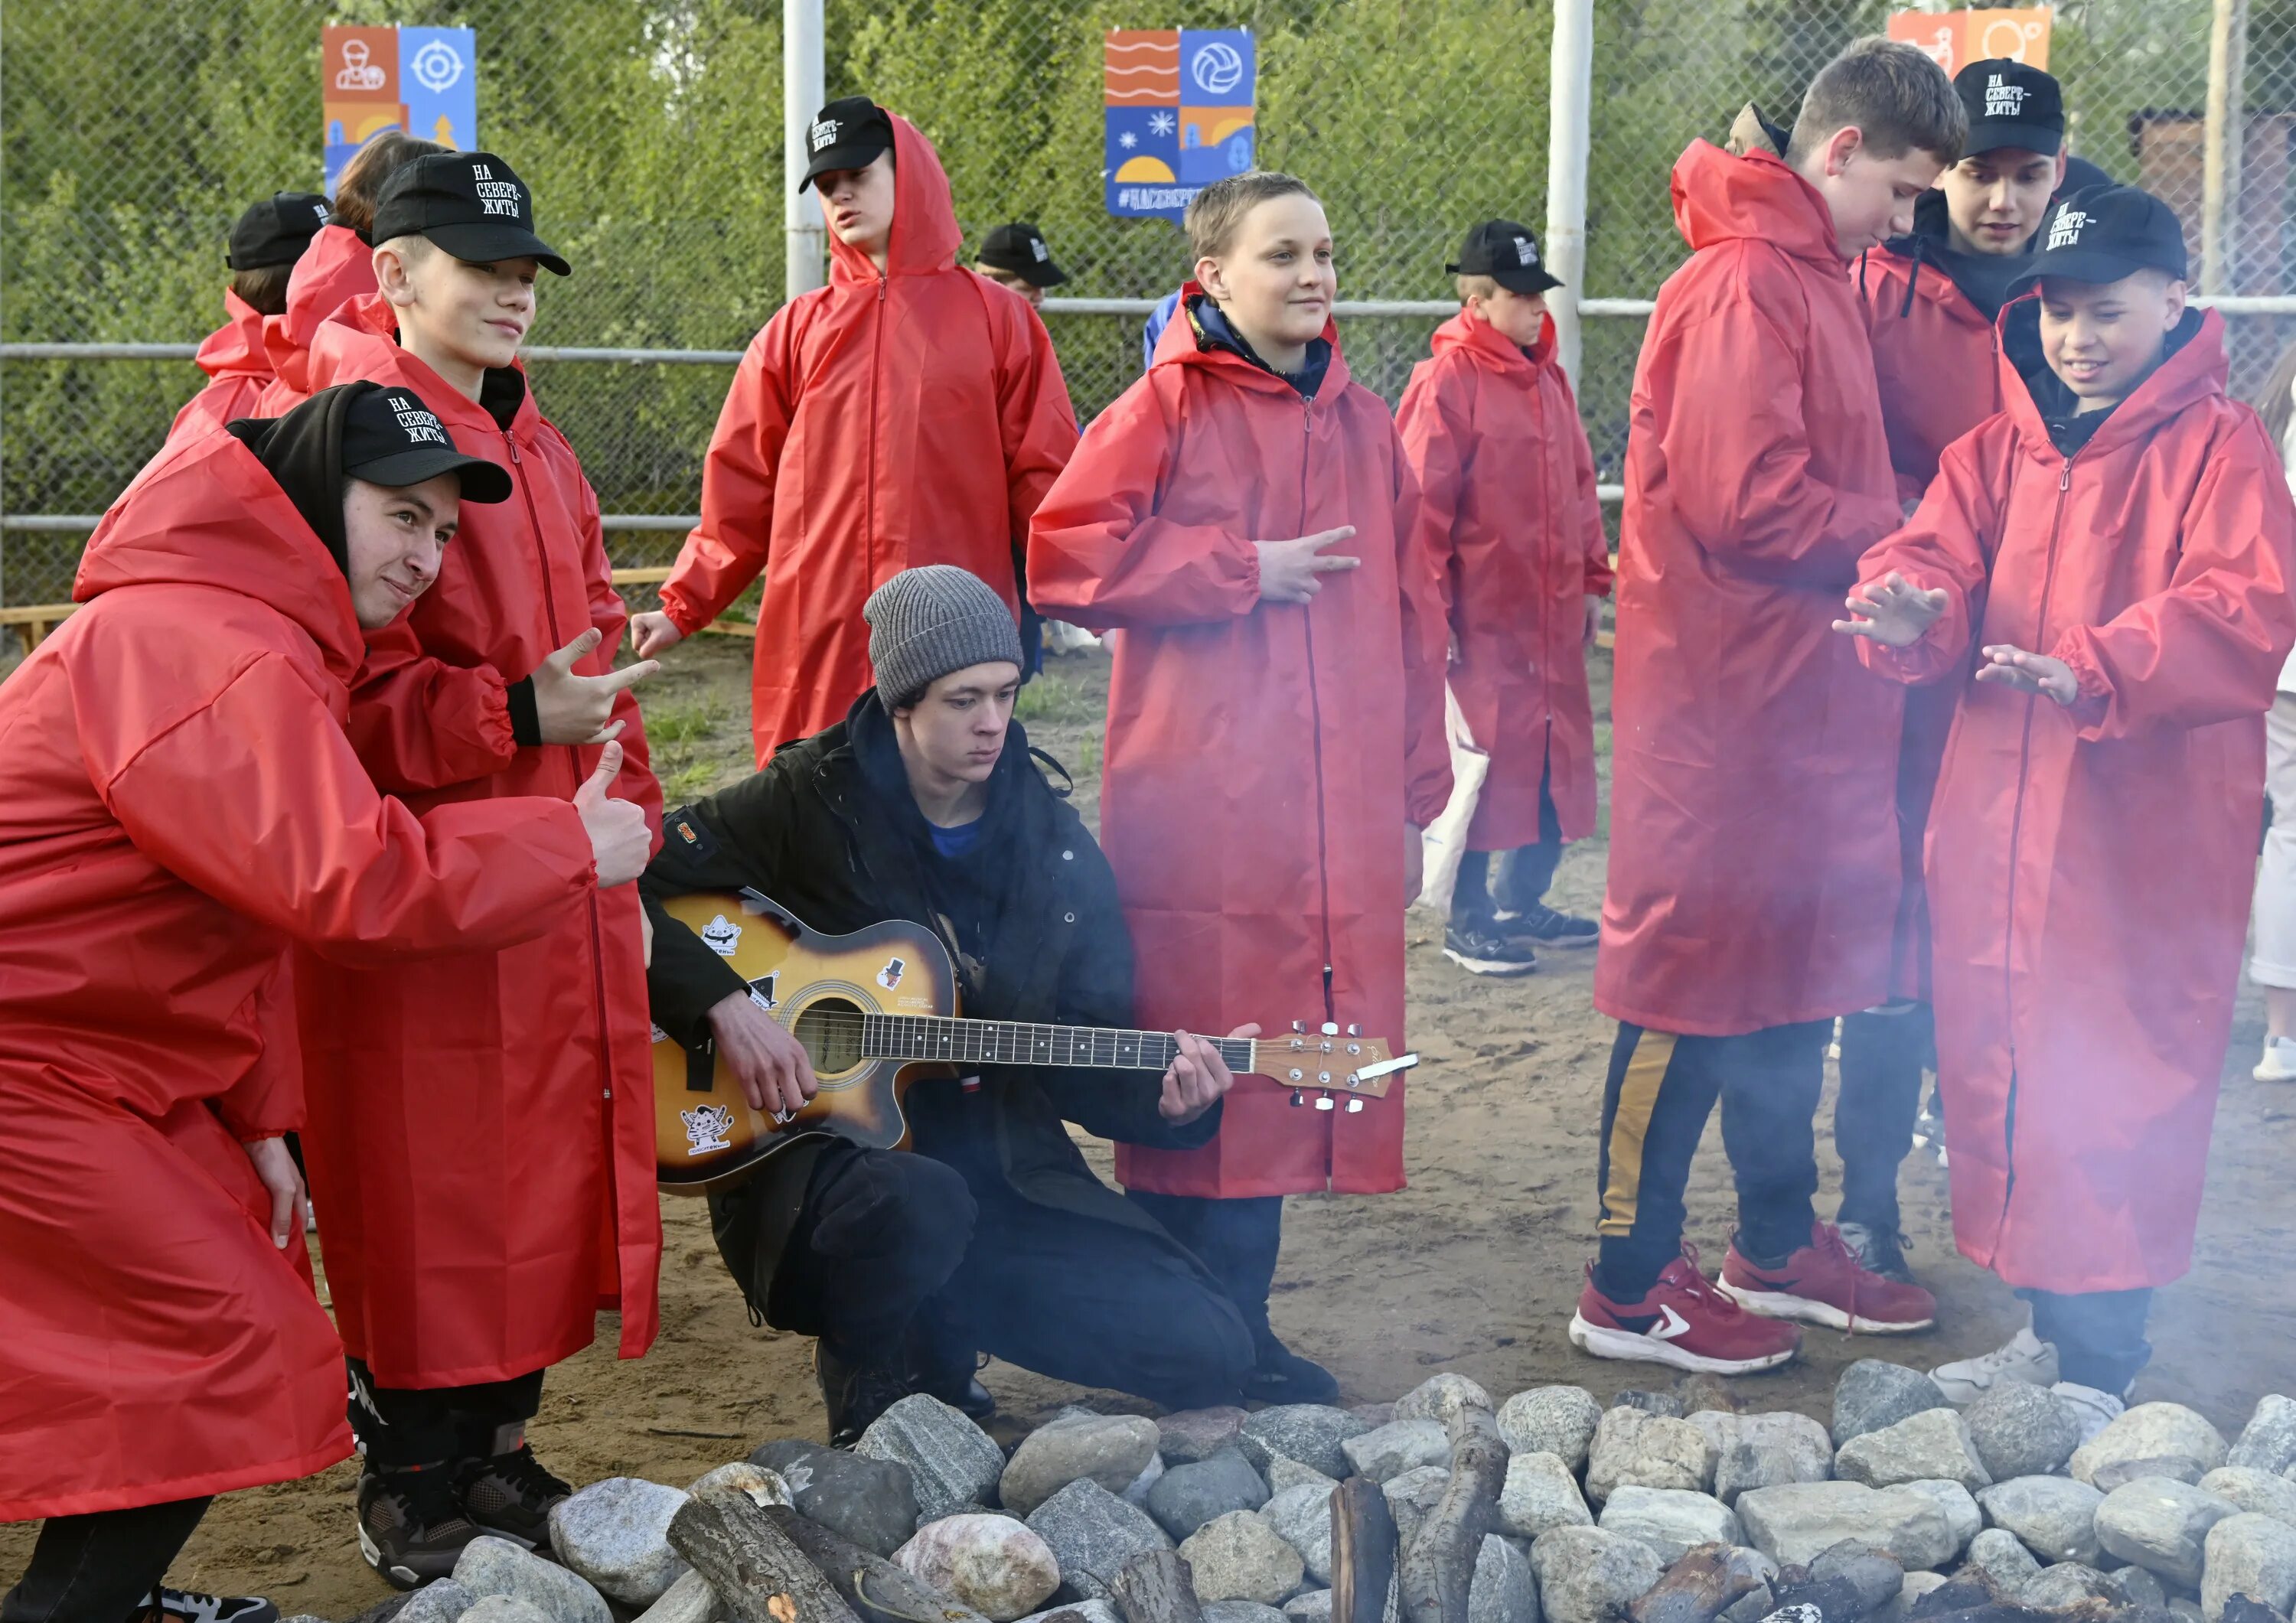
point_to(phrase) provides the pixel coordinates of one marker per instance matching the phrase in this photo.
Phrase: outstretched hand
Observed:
(2006, 666)
(572, 708)
(1892, 611)
(1198, 1079)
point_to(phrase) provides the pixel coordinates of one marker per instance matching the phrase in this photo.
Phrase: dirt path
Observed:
(1474, 1268)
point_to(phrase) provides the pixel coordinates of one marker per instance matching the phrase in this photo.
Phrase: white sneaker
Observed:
(2027, 1358)
(2096, 1410)
(2279, 1061)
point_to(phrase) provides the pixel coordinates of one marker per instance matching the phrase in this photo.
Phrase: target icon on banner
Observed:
(437, 66)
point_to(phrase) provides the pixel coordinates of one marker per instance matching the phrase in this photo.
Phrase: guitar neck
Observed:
(999, 1042)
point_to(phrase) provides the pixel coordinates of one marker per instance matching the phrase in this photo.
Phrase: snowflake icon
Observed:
(1161, 123)
(1127, 141)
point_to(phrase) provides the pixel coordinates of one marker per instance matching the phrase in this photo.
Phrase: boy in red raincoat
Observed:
(2101, 575)
(265, 245)
(1507, 479)
(177, 803)
(909, 412)
(1752, 813)
(1246, 514)
(484, 1170)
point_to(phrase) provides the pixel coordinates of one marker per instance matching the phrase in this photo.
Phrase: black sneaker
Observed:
(411, 1526)
(511, 1494)
(959, 1387)
(1283, 1376)
(1480, 950)
(855, 1394)
(165, 1605)
(1878, 1250)
(1541, 926)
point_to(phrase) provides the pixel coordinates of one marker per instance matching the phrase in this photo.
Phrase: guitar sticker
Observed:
(705, 1129)
(722, 936)
(761, 992)
(889, 976)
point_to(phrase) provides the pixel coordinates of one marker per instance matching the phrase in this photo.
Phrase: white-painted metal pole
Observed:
(2220, 171)
(804, 250)
(1570, 94)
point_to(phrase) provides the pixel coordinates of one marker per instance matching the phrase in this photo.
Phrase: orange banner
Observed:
(1955, 39)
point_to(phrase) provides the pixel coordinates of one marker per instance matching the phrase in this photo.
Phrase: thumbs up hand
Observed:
(619, 841)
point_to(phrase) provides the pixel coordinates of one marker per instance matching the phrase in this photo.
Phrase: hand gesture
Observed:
(2029, 673)
(1199, 1077)
(1292, 572)
(1893, 612)
(652, 632)
(575, 710)
(291, 1202)
(776, 1075)
(619, 841)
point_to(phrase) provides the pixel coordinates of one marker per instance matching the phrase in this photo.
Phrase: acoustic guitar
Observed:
(877, 1010)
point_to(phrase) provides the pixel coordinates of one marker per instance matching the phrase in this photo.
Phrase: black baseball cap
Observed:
(2010, 104)
(1020, 248)
(1508, 254)
(846, 135)
(2103, 235)
(275, 231)
(390, 438)
(471, 204)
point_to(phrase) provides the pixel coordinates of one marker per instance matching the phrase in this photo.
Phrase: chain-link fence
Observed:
(650, 131)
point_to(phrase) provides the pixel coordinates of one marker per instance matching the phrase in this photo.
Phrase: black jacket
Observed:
(830, 829)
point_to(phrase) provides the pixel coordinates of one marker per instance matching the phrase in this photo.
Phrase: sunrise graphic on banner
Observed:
(1180, 115)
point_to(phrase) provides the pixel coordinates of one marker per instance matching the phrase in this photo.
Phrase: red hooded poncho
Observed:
(336, 267)
(1753, 837)
(1507, 482)
(481, 1136)
(238, 372)
(2089, 867)
(1263, 759)
(876, 424)
(177, 801)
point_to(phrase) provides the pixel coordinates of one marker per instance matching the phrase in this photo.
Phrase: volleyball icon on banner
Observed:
(1217, 68)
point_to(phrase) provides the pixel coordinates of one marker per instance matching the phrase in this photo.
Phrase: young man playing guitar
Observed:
(923, 805)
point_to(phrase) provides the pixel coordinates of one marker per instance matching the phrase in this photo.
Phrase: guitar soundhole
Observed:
(830, 1030)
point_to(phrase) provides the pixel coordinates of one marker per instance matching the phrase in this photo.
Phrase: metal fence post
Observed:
(801, 94)
(1570, 101)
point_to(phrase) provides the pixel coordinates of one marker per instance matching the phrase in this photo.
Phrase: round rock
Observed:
(1646, 1450)
(2002, 1557)
(616, 1533)
(1112, 1450)
(991, 1563)
(690, 1600)
(1875, 1576)
(1396, 1447)
(1240, 1557)
(2169, 1432)
(1197, 1434)
(2253, 1488)
(1302, 1518)
(2268, 1441)
(1671, 1521)
(952, 1462)
(1763, 1450)
(2055, 1516)
(1589, 1575)
(1796, 1521)
(496, 1566)
(2067, 1584)
(1557, 1420)
(2162, 1525)
(1313, 1606)
(1439, 1396)
(2022, 1430)
(1962, 1515)
(1308, 1432)
(1241, 1612)
(870, 1503)
(2251, 1556)
(504, 1609)
(1540, 1495)
(1282, 1474)
(440, 1600)
(1932, 1446)
(1873, 1393)
(1186, 1496)
(1503, 1589)
(1091, 1533)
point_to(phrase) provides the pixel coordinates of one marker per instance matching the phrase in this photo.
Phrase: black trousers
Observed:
(1883, 1054)
(891, 1250)
(1660, 1092)
(1519, 879)
(402, 1427)
(96, 1567)
(2099, 1335)
(1237, 1241)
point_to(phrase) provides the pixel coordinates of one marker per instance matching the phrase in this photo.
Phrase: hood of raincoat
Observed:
(235, 349)
(1720, 198)
(336, 267)
(925, 234)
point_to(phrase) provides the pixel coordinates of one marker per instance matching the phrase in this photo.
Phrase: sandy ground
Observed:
(1474, 1269)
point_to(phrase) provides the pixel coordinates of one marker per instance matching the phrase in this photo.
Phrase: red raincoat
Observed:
(1507, 482)
(177, 801)
(2089, 867)
(876, 424)
(482, 1135)
(1752, 827)
(238, 372)
(336, 267)
(1262, 758)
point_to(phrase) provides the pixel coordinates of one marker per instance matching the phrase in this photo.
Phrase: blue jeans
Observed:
(2099, 1334)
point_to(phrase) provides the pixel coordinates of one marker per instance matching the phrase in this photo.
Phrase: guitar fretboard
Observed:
(992, 1042)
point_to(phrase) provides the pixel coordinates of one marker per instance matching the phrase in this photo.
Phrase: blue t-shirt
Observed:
(951, 843)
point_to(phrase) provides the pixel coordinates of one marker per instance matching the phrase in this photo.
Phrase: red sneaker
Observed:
(1824, 1283)
(1682, 1320)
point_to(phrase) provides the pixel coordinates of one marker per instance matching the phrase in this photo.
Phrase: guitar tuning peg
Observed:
(1355, 1030)
(1354, 1107)
(1330, 1029)
(1323, 1101)
(1298, 1098)
(1300, 1026)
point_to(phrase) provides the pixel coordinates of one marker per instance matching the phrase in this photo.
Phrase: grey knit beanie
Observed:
(927, 622)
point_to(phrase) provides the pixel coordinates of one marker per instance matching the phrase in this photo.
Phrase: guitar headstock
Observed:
(1328, 1063)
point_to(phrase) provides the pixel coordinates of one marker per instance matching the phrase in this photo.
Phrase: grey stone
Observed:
(870, 1503)
(1241, 1612)
(1795, 1521)
(505, 1609)
(1373, 1415)
(1198, 1434)
(1396, 1447)
(1763, 1450)
(2118, 1473)
(690, 1600)
(765, 1487)
(2162, 1431)
(1439, 1396)
(2160, 1525)
(2001, 1556)
(442, 1600)
(383, 1610)
(1093, 1533)
(1136, 1491)
(1240, 1557)
(2055, 1516)
(1186, 1496)
(2268, 1441)
(1671, 1521)
(1872, 1393)
(616, 1533)
(993, 1563)
(1315, 1606)
(1412, 1496)
(2136, 1586)
(1504, 1589)
(1094, 1610)
(1875, 1575)
(2250, 1487)
(1540, 1495)
(1648, 1451)
(496, 1566)
(1668, 1403)
(2185, 1610)
(1282, 1474)
(2019, 1429)
(1916, 1585)
(1112, 1450)
(2251, 1556)
(1557, 1420)
(1302, 1518)
(1961, 1512)
(1932, 1445)
(2067, 1584)
(1308, 1432)
(952, 1462)
(1587, 1576)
